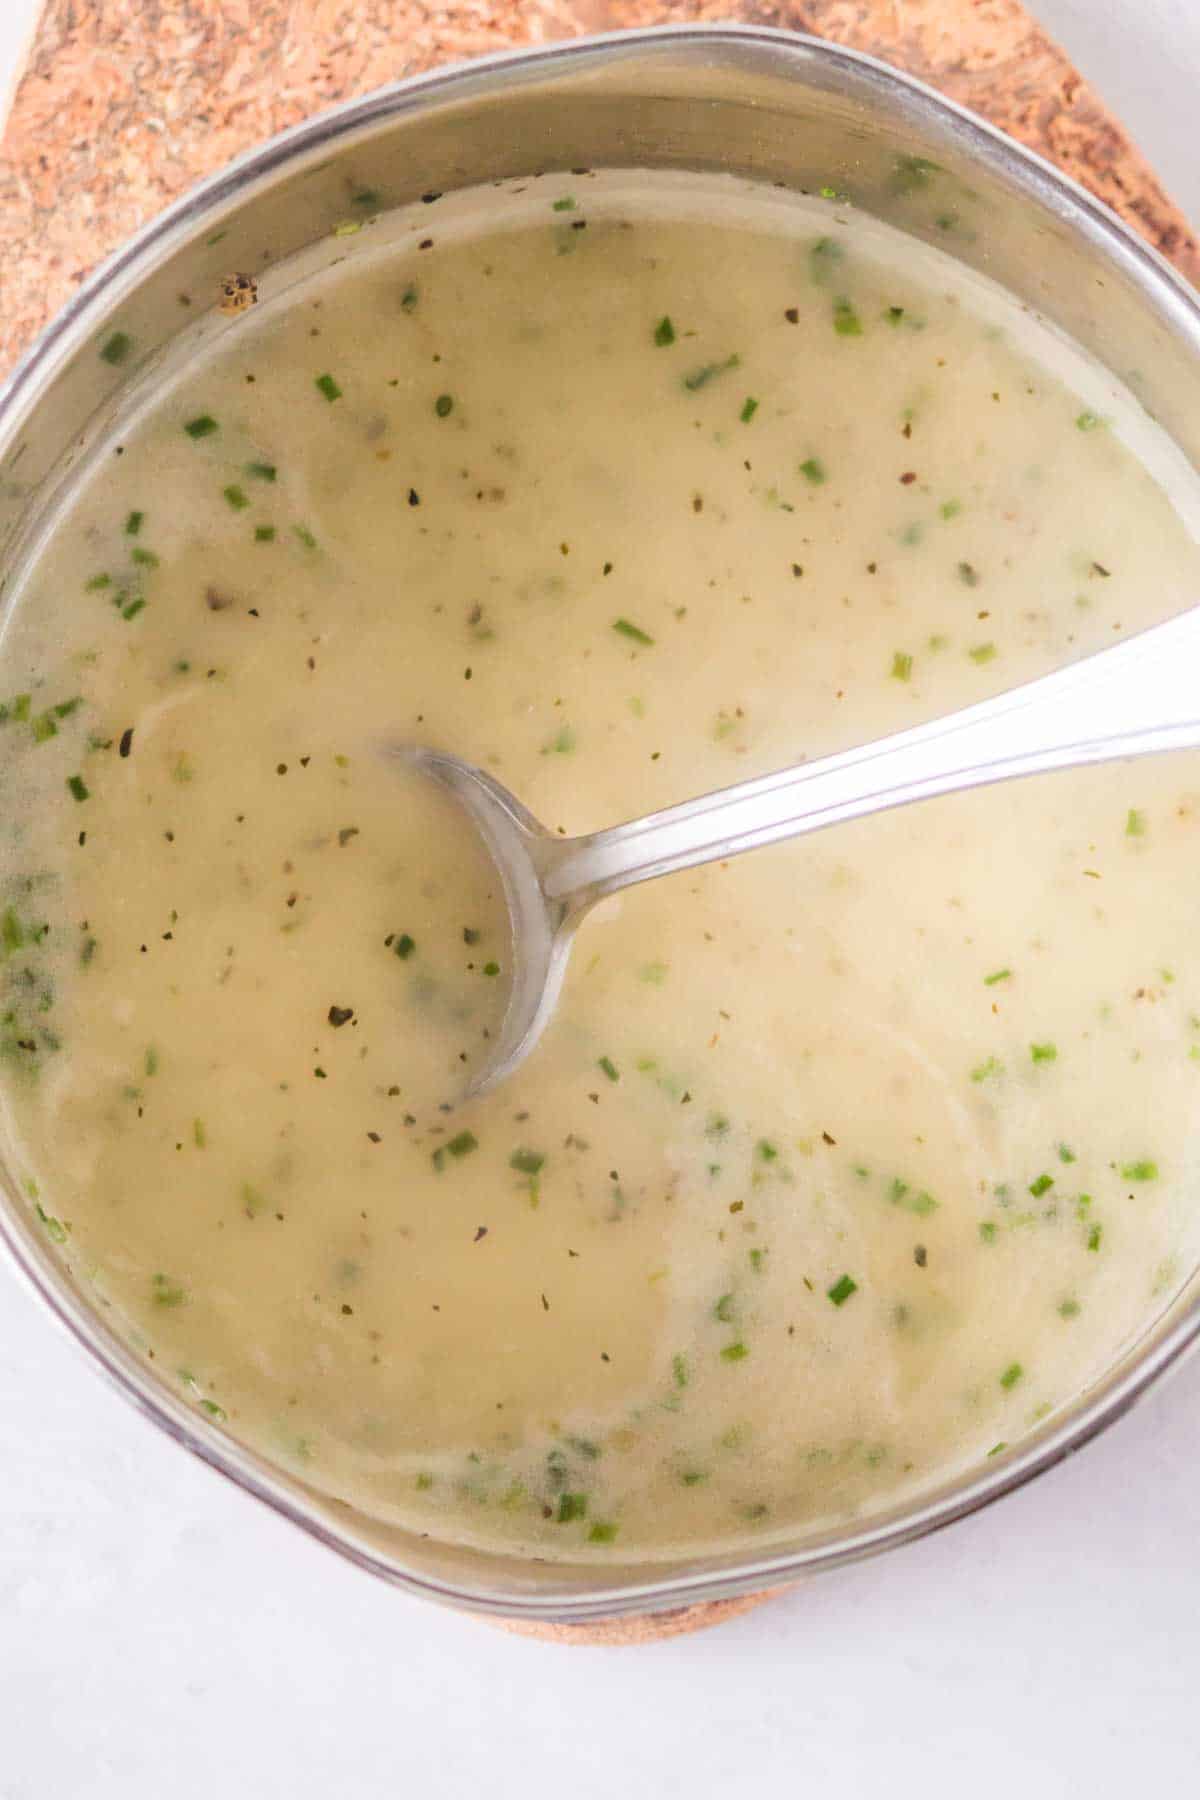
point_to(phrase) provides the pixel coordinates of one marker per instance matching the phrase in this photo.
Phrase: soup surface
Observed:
(841, 1165)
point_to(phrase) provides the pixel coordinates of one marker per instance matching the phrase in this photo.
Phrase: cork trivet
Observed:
(125, 103)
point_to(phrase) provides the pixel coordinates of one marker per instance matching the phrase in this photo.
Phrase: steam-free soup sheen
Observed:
(842, 1164)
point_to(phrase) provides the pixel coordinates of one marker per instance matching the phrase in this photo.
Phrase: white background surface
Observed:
(160, 1635)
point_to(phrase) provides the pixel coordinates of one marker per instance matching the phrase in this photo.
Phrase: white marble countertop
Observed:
(159, 1634)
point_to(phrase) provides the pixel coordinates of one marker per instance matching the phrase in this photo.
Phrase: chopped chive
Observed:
(146, 559)
(404, 946)
(734, 1353)
(1068, 1309)
(199, 1134)
(326, 385)
(202, 426)
(43, 727)
(527, 1162)
(491, 969)
(1088, 420)
(305, 536)
(950, 509)
(261, 471)
(987, 1231)
(264, 534)
(571, 1506)
(1066, 1154)
(628, 629)
(1135, 823)
(602, 1532)
(1041, 1186)
(664, 332)
(133, 609)
(11, 934)
(1041, 1053)
(893, 314)
(409, 298)
(813, 471)
(116, 348)
(766, 1150)
(78, 787)
(902, 664)
(1139, 1171)
(566, 204)
(982, 653)
(214, 1411)
(56, 1231)
(679, 1369)
(133, 523)
(846, 321)
(841, 1290)
(609, 1067)
(749, 408)
(723, 1310)
(823, 258)
(96, 583)
(758, 1259)
(236, 497)
(996, 976)
(984, 1071)
(968, 574)
(20, 708)
(1011, 1375)
(443, 406)
(707, 371)
(167, 1292)
(150, 1061)
(462, 1143)
(1094, 1237)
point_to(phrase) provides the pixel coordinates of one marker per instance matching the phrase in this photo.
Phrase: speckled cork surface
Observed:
(125, 103)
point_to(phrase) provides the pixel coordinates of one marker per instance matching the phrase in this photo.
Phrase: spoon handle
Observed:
(1142, 695)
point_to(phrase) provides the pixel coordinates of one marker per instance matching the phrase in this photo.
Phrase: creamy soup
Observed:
(841, 1165)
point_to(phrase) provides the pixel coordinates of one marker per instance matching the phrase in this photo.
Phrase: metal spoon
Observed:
(1141, 696)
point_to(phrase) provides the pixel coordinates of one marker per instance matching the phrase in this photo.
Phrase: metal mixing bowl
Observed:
(762, 104)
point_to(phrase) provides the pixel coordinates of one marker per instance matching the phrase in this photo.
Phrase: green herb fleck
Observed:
(264, 534)
(902, 664)
(749, 408)
(528, 1162)
(1088, 420)
(566, 204)
(462, 1143)
(116, 348)
(996, 976)
(1139, 1171)
(77, 787)
(167, 1292)
(443, 406)
(679, 1369)
(404, 946)
(813, 471)
(133, 524)
(261, 471)
(602, 1532)
(1095, 1236)
(325, 384)
(823, 258)
(664, 332)
(1011, 1375)
(628, 629)
(735, 1352)
(1042, 1053)
(202, 426)
(707, 372)
(841, 1290)
(609, 1068)
(1041, 1186)
(571, 1506)
(846, 321)
(1135, 823)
